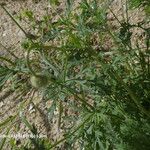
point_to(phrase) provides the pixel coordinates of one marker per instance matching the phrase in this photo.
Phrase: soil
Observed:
(11, 37)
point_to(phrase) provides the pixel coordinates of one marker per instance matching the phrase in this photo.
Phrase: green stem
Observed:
(60, 113)
(115, 16)
(26, 34)
(80, 99)
(47, 61)
(14, 20)
(7, 60)
(65, 70)
(127, 15)
(28, 63)
(9, 51)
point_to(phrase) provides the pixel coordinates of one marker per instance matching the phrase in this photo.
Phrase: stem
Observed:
(80, 99)
(122, 7)
(47, 61)
(115, 16)
(127, 15)
(7, 60)
(60, 114)
(26, 34)
(65, 70)
(14, 20)
(28, 63)
(9, 51)
(6, 94)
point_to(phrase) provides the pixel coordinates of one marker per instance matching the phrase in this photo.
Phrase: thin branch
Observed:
(7, 60)
(9, 51)
(14, 20)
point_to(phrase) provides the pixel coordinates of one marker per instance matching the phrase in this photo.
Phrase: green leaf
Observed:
(31, 128)
(28, 14)
(147, 10)
(54, 2)
(5, 138)
(8, 120)
(135, 3)
(51, 110)
(4, 79)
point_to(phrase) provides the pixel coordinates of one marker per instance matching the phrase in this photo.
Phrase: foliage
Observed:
(109, 86)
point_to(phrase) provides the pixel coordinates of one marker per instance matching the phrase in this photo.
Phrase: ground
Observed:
(11, 37)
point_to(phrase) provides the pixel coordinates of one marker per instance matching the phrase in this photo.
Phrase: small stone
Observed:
(21, 34)
(1, 104)
(4, 34)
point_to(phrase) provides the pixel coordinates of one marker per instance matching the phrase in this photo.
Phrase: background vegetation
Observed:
(67, 61)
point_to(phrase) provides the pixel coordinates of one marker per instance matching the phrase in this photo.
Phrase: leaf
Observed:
(28, 14)
(31, 128)
(54, 2)
(147, 10)
(5, 74)
(51, 110)
(135, 3)
(60, 113)
(4, 139)
(9, 119)
(4, 79)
